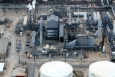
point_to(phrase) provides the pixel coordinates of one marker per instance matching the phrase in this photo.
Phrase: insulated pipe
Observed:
(33, 38)
(114, 28)
(41, 31)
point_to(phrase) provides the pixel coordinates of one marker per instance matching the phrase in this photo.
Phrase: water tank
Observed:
(103, 49)
(102, 69)
(56, 69)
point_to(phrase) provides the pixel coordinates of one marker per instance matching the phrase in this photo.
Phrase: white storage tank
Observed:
(103, 49)
(102, 69)
(56, 69)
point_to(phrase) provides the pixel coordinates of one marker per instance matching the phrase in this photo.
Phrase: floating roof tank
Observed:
(102, 69)
(56, 69)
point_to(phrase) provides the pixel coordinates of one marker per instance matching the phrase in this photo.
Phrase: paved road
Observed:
(41, 6)
(12, 59)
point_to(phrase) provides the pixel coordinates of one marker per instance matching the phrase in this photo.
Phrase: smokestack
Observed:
(41, 30)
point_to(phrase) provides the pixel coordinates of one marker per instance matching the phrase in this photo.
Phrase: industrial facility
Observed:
(57, 38)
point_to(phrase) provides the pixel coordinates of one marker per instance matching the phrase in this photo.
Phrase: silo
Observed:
(102, 69)
(56, 69)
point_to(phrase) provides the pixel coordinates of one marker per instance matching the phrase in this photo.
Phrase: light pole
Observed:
(65, 55)
(4, 53)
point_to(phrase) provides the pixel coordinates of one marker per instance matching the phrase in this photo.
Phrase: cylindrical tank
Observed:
(56, 69)
(102, 69)
(103, 48)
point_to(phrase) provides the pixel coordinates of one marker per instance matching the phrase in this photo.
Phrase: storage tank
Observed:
(102, 69)
(56, 69)
(103, 49)
(114, 28)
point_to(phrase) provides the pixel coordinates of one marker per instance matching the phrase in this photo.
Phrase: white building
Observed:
(1, 68)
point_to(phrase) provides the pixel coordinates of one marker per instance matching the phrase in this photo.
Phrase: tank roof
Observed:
(56, 69)
(103, 69)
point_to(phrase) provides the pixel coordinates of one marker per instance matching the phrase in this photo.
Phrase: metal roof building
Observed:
(52, 21)
(1, 68)
(3, 47)
(52, 29)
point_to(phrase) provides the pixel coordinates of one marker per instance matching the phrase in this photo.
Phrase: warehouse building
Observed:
(2, 68)
(3, 48)
(52, 27)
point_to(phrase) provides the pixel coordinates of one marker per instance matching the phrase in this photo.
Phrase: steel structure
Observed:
(71, 30)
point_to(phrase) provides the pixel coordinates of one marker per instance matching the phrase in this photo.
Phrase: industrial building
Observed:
(3, 48)
(2, 65)
(52, 27)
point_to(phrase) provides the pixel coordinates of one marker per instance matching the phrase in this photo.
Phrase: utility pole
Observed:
(65, 56)
(34, 55)
(15, 9)
(4, 8)
(81, 55)
(4, 56)
(19, 56)
(4, 52)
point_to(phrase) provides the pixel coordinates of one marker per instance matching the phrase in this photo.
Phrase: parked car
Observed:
(18, 50)
(9, 44)
(27, 43)
(18, 45)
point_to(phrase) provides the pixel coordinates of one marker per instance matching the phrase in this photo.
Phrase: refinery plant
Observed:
(57, 38)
